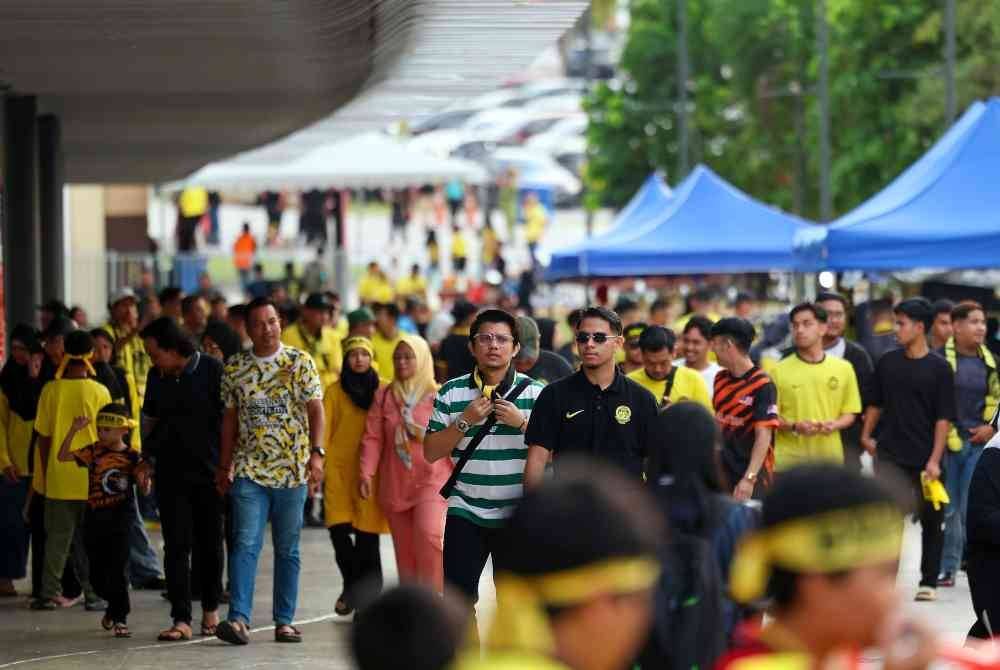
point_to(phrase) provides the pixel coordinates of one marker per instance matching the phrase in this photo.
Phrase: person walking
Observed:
(982, 530)
(696, 344)
(313, 334)
(346, 405)
(913, 405)
(271, 455)
(977, 392)
(667, 382)
(183, 415)
(408, 487)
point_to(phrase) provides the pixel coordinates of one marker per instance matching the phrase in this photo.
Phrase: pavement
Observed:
(73, 638)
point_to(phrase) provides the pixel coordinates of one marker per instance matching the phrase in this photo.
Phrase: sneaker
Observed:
(96, 605)
(946, 580)
(46, 604)
(926, 594)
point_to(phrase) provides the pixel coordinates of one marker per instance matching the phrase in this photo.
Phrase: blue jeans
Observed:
(253, 506)
(959, 466)
(143, 562)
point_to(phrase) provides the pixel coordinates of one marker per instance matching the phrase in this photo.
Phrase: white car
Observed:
(556, 137)
(534, 167)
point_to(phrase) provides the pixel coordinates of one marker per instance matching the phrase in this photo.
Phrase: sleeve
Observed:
(330, 416)
(765, 406)
(440, 417)
(84, 456)
(645, 428)
(44, 417)
(543, 424)
(371, 441)
(945, 401)
(149, 401)
(865, 373)
(308, 382)
(984, 500)
(5, 460)
(875, 395)
(852, 394)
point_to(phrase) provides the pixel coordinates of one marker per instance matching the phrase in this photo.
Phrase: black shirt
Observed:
(913, 393)
(455, 354)
(549, 368)
(574, 416)
(188, 409)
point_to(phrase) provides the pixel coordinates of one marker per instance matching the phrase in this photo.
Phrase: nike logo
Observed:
(570, 415)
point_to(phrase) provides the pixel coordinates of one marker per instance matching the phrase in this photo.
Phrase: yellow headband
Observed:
(822, 544)
(521, 622)
(357, 342)
(76, 357)
(111, 420)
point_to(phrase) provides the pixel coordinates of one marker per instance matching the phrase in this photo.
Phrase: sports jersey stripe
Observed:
(463, 513)
(749, 390)
(457, 407)
(486, 503)
(495, 454)
(491, 480)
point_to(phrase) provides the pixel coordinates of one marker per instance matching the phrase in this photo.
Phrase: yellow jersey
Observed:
(15, 438)
(384, 347)
(411, 286)
(688, 385)
(324, 350)
(373, 289)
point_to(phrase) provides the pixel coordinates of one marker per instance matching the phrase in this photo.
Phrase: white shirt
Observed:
(838, 349)
(708, 374)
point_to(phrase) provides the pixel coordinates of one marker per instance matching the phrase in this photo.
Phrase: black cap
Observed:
(79, 343)
(318, 301)
(462, 310)
(739, 329)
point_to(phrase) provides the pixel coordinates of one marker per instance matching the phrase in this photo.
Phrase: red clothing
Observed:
(773, 648)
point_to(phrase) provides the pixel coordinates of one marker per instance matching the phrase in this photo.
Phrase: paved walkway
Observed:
(73, 638)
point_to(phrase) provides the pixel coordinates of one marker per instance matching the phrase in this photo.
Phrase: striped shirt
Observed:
(491, 484)
(741, 405)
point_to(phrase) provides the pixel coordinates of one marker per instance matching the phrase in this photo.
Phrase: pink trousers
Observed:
(418, 538)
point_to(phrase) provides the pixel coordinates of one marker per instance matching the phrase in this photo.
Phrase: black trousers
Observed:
(466, 548)
(360, 563)
(106, 538)
(191, 519)
(36, 523)
(931, 522)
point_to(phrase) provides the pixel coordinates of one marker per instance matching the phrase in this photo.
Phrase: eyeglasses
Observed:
(488, 339)
(582, 337)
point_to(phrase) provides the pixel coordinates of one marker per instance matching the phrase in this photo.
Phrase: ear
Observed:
(517, 350)
(472, 349)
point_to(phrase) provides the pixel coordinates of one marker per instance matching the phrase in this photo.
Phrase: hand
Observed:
(144, 479)
(869, 444)
(365, 488)
(826, 427)
(909, 646)
(477, 410)
(35, 365)
(743, 490)
(11, 473)
(315, 473)
(933, 470)
(80, 422)
(223, 479)
(981, 434)
(508, 413)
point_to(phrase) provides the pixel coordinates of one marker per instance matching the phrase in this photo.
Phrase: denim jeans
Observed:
(959, 466)
(143, 561)
(253, 506)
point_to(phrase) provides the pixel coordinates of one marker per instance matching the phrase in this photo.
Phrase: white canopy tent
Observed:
(371, 160)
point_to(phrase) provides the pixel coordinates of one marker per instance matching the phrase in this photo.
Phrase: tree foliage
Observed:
(752, 104)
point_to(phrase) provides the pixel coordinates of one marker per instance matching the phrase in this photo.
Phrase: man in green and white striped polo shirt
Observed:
(491, 484)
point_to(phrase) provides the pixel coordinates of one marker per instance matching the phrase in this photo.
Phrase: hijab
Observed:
(409, 393)
(15, 381)
(359, 387)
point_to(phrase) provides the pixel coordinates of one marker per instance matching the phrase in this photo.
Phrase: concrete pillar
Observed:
(50, 200)
(22, 259)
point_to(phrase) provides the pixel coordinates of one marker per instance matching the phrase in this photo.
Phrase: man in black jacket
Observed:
(982, 531)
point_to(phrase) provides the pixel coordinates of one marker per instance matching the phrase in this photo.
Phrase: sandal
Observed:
(175, 633)
(342, 607)
(233, 632)
(287, 633)
(107, 623)
(121, 630)
(208, 629)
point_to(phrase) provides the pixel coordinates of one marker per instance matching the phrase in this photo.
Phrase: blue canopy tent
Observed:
(644, 207)
(942, 212)
(709, 226)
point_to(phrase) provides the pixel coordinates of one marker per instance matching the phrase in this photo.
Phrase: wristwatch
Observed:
(750, 477)
(463, 426)
(318, 450)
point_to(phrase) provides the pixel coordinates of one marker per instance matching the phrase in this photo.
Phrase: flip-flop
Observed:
(287, 633)
(342, 607)
(121, 630)
(232, 632)
(208, 630)
(174, 634)
(107, 623)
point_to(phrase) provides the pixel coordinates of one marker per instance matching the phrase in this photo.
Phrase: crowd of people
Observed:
(645, 490)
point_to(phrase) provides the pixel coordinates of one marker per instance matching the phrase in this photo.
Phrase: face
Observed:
(725, 351)
(745, 309)
(79, 316)
(210, 348)
(125, 313)
(111, 435)
(618, 626)
(836, 319)
(695, 347)
(238, 324)
(314, 319)
(493, 346)
(219, 311)
(166, 361)
(594, 354)
(172, 308)
(197, 316)
(55, 349)
(385, 323)
(404, 362)
(908, 330)
(658, 363)
(970, 331)
(103, 351)
(856, 606)
(264, 328)
(633, 354)
(359, 361)
(19, 353)
(941, 328)
(364, 329)
(807, 330)
(659, 317)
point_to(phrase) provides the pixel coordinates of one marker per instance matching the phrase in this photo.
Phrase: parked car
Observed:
(534, 167)
(557, 135)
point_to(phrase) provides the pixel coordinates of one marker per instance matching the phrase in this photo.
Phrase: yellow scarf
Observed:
(76, 357)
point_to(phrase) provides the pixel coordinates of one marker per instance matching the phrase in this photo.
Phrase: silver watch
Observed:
(463, 426)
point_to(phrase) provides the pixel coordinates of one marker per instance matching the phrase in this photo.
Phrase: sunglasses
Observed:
(582, 337)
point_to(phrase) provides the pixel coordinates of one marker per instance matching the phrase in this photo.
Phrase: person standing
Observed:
(817, 395)
(346, 405)
(194, 315)
(454, 354)
(408, 488)
(913, 405)
(941, 328)
(387, 335)
(124, 328)
(696, 344)
(541, 365)
(271, 455)
(977, 392)
(835, 344)
(312, 334)
(632, 360)
(491, 486)
(746, 407)
(667, 382)
(182, 412)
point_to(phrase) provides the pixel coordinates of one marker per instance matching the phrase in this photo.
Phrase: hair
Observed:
(546, 333)
(740, 331)
(168, 336)
(964, 310)
(657, 338)
(100, 333)
(74, 309)
(624, 304)
(237, 312)
(744, 297)
(170, 294)
(79, 343)
(258, 303)
(494, 316)
(658, 304)
(811, 490)
(816, 310)
(227, 339)
(828, 296)
(408, 626)
(218, 299)
(942, 306)
(702, 324)
(919, 310)
(604, 314)
(390, 307)
(246, 227)
(574, 317)
(115, 408)
(188, 303)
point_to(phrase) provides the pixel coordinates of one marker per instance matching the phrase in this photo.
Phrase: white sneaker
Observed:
(926, 594)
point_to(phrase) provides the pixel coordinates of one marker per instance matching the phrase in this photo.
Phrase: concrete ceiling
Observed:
(150, 91)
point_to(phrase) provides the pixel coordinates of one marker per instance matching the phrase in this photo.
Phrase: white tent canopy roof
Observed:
(370, 160)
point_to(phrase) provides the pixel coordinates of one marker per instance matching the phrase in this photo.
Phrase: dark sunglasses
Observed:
(583, 337)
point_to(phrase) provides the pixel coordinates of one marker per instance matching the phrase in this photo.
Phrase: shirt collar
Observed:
(617, 386)
(192, 364)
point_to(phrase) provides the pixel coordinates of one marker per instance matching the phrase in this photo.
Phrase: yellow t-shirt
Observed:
(458, 246)
(325, 351)
(372, 289)
(813, 392)
(383, 354)
(688, 385)
(136, 362)
(535, 219)
(61, 402)
(15, 438)
(411, 286)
